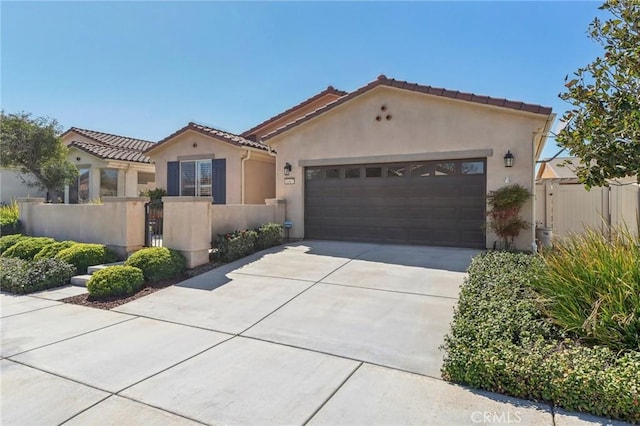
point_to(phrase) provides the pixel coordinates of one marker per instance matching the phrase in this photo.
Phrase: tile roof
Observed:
(111, 147)
(215, 133)
(382, 80)
(328, 91)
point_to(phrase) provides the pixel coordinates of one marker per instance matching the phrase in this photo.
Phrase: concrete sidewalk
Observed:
(313, 332)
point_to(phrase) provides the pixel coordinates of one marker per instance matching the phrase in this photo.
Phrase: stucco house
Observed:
(109, 165)
(407, 163)
(201, 161)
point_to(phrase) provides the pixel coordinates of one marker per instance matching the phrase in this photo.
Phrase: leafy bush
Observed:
(500, 340)
(6, 241)
(21, 276)
(269, 235)
(115, 281)
(28, 247)
(50, 250)
(9, 223)
(84, 255)
(235, 245)
(591, 288)
(158, 263)
(504, 216)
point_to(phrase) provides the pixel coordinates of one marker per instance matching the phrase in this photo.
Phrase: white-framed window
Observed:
(196, 178)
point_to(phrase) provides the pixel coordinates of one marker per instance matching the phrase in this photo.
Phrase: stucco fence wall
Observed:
(192, 223)
(118, 222)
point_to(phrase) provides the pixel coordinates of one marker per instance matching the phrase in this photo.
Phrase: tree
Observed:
(603, 127)
(33, 146)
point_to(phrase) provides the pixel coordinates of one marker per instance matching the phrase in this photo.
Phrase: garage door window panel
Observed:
(373, 172)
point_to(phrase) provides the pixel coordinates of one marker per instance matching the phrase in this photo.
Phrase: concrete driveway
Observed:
(313, 332)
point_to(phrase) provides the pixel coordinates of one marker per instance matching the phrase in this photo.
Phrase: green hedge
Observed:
(84, 255)
(501, 341)
(269, 235)
(158, 263)
(27, 248)
(51, 250)
(6, 241)
(238, 244)
(21, 276)
(235, 245)
(115, 281)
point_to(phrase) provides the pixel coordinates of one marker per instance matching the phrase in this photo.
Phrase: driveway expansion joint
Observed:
(390, 291)
(332, 394)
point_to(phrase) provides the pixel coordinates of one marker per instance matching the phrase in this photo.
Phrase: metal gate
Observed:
(153, 224)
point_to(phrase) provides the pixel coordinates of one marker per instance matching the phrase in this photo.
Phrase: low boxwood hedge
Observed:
(27, 248)
(158, 263)
(84, 255)
(6, 241)
(117, 280)
(501, 341)
(50, 250)
(21, 276)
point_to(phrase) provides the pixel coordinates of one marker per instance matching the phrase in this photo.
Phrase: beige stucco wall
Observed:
(193, 145)
(422, 127)
(12, 187)
(117, 223)
(228, 218)
(260, 178)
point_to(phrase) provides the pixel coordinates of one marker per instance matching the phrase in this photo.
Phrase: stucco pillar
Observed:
(131, 183)
(279, 209)
(94, 183)
(187, 227)
(127, 218)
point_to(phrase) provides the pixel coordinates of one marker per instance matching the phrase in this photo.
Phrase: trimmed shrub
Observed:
(158, 263)
(21, 276)
(50, 250)
(28, 247)
(83, 255)
(115, 281)
(235, 245)
(269, 235)
(501, 340)
(6, 241)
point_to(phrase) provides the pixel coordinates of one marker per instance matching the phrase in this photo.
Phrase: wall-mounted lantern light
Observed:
(287, 169)
(508, 159)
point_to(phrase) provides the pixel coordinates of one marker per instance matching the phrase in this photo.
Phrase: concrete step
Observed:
(80, 280)
(92, 269)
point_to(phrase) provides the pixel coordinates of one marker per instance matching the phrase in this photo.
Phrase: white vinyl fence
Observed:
(569, 209)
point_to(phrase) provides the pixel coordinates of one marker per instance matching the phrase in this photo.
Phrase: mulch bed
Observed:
(112, 302)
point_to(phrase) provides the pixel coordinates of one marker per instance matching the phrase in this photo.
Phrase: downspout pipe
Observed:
(242, 175)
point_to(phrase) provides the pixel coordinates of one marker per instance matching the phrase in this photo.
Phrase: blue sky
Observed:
(145, 69)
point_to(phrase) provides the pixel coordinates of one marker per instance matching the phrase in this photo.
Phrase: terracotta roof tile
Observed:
(215, 133)
(382, 80)
(328, 90)
(111, 147)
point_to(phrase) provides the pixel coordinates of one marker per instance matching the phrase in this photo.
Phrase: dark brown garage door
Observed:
(432, 203)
